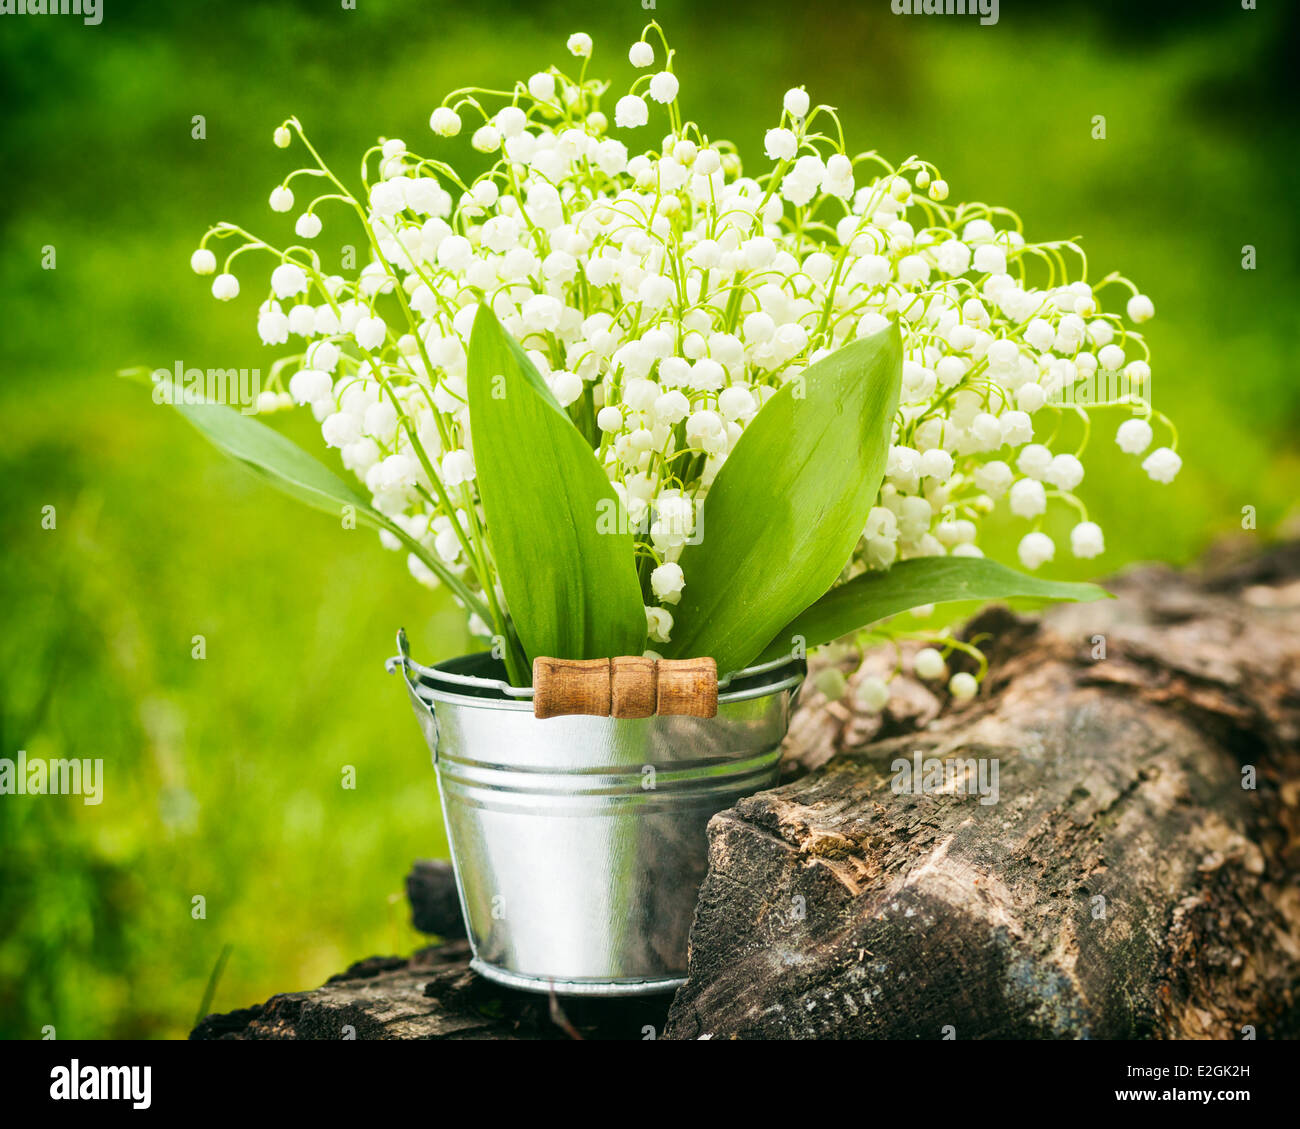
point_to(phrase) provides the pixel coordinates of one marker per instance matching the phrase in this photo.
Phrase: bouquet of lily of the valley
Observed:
(618, 394)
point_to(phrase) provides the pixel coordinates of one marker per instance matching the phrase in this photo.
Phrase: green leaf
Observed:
(565, 558)
(926, 580)
(276, 459)
(289, 468)
(789, 504)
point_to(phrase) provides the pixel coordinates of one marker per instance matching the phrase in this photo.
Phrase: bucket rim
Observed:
(443, 682)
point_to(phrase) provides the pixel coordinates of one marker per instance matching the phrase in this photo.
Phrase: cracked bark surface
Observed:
(836, 907)
(432, 995)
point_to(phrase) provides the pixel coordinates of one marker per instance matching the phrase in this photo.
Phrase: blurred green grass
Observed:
(224, 775)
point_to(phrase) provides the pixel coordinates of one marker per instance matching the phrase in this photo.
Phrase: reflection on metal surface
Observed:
(579, 842)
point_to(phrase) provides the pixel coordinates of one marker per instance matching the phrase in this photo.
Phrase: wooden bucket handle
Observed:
(629, 686)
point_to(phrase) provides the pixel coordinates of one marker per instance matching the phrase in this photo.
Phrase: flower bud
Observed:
(927, 663)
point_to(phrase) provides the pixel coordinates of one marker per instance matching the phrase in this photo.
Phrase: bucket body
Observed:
(579, 842)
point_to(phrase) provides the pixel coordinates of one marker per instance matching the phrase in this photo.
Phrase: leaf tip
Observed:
(485, 318)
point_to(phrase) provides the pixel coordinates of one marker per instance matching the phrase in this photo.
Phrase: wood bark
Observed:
(432, 995)
(1136, 876)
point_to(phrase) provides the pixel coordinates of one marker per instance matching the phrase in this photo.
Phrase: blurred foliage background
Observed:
(224, 776)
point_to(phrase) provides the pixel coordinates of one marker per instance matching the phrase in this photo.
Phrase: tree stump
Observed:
(1136, 876)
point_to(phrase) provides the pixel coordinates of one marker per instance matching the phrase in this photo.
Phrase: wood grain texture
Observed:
(571, 686)
(433, 995)
(1137, 876)
(635, 687)
(688, 687)
(630, 686)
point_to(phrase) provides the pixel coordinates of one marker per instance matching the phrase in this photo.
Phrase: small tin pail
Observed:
(579, 842)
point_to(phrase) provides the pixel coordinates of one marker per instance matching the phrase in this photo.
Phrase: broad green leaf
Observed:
(273, 457)
(289, 468)
(789, 504)
(874, 596)
(564, 557)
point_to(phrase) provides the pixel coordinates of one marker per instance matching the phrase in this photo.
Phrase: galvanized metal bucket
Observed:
(579, 842)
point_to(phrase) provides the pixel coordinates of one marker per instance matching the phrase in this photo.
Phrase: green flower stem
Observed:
(479, 550)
